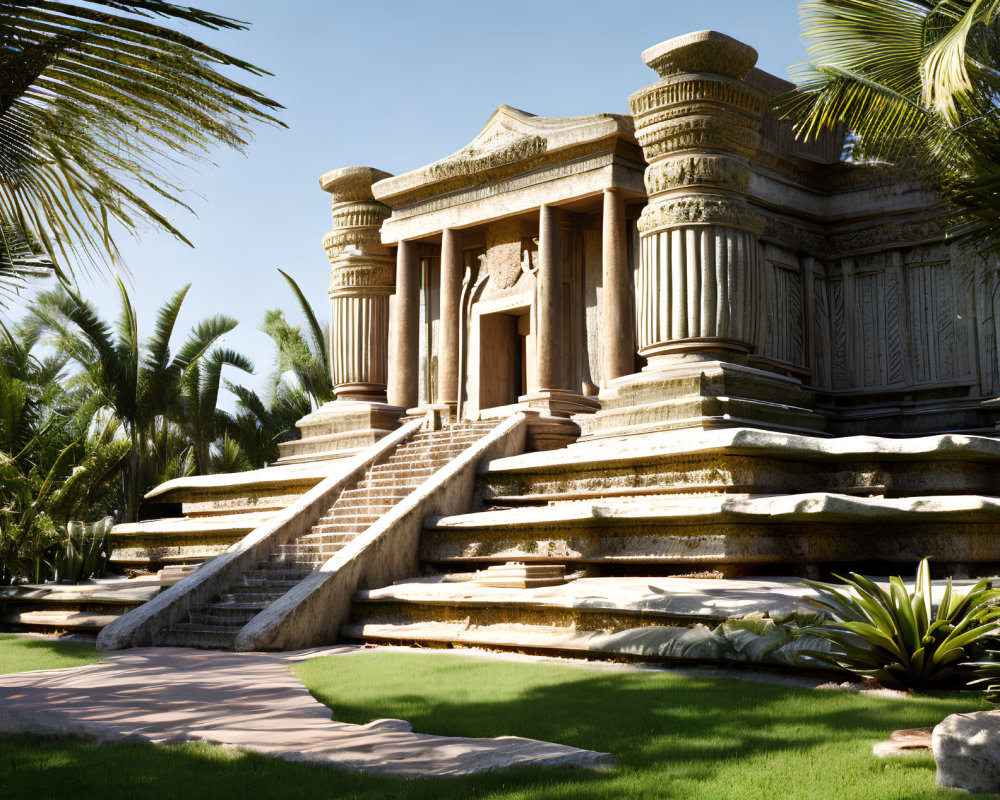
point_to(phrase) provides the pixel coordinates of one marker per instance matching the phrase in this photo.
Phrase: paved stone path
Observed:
(250, 701)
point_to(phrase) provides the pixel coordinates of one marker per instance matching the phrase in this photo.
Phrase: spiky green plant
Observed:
(898, 638)
(140, 382)
(84, 552)
(305, 356)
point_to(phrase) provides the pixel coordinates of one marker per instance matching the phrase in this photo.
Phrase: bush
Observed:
(897, 638)
(84, 552)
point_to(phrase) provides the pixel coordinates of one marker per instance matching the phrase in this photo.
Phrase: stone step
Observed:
(203, 637)
(249, 594)
(274, 573)
(638, 618)
(308, 547)
(339, 531)
(351, 521)
(389, 482)
(367, 608)
(795, 534)
(402, 470)
(390, 496)
(225, 615)
(267, 585)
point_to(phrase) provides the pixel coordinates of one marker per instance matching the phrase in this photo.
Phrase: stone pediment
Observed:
(512, 141)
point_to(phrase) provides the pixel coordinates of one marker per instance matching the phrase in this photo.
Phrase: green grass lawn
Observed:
(676, 736)
(24, 653)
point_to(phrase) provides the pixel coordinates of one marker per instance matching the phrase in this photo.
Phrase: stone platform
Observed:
(81, 608)
(658, 620)
(743, 501)
(216, 512)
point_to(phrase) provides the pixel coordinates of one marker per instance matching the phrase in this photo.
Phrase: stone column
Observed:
(617, 339)
(701, 285)
(549, 312)
(404, 387)
(452, 268)
(361, 280)
(701, 307)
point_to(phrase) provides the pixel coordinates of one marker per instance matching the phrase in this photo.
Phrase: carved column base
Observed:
(558, 402)
(685, 391)
(340, 428)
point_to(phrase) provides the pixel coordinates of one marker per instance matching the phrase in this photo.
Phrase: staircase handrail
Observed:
(312, 612)
(138, 628)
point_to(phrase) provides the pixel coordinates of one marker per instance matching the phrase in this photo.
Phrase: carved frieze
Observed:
(836, 242)
(370, 275)
(503, 147)
(723, 172)
(690, 91)
(700, 210)
(699, 133)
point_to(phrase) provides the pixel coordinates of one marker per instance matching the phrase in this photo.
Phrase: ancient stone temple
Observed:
(612, 348)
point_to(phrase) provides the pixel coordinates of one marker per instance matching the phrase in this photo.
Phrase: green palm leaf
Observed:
(99, 102)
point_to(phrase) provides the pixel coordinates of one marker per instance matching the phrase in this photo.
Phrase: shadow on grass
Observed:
(740, 738)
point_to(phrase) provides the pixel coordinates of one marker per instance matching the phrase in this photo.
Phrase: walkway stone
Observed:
(249, 701)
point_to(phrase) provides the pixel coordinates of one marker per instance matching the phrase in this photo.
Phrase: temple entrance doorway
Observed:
(503, 357)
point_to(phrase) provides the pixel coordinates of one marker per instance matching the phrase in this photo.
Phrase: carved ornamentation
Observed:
(700, 210)
(837, 242)
(721, 172)
(377, 276)
(701, 286)
(503, 252)
(362, 276)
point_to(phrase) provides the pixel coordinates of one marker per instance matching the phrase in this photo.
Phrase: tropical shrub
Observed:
(84, 552)
(898, 638)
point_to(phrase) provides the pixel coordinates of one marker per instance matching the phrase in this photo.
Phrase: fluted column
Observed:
(361, 280)
(404, 386)
(451, 290)
(700, 285)
(550, 344)
(617, 339)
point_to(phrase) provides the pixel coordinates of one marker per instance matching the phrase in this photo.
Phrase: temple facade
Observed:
(602, 382)
(689, 265)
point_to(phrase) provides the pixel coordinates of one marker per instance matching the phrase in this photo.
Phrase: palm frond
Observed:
(99, 101)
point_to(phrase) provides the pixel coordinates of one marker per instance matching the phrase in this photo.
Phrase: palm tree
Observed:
(100, 103)
(141, 385)
(55, 463)
(918, 82)
(305, 356)
(201, 419)
(258, 427)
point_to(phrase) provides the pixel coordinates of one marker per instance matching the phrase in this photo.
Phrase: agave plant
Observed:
(899, 638)
(84, 553)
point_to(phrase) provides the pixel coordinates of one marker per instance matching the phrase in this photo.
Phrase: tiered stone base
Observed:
(217, 511)
(683, 392)
(623, 619)
(735, 501)
(340, 428)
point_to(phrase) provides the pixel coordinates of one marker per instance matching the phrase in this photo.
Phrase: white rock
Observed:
(967, 751)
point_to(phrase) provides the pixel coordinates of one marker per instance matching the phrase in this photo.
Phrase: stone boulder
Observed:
(967, 751)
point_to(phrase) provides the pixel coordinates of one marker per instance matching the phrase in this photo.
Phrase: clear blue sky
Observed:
(393, 85)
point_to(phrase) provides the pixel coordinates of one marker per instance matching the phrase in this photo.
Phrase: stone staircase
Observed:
(216, 624)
